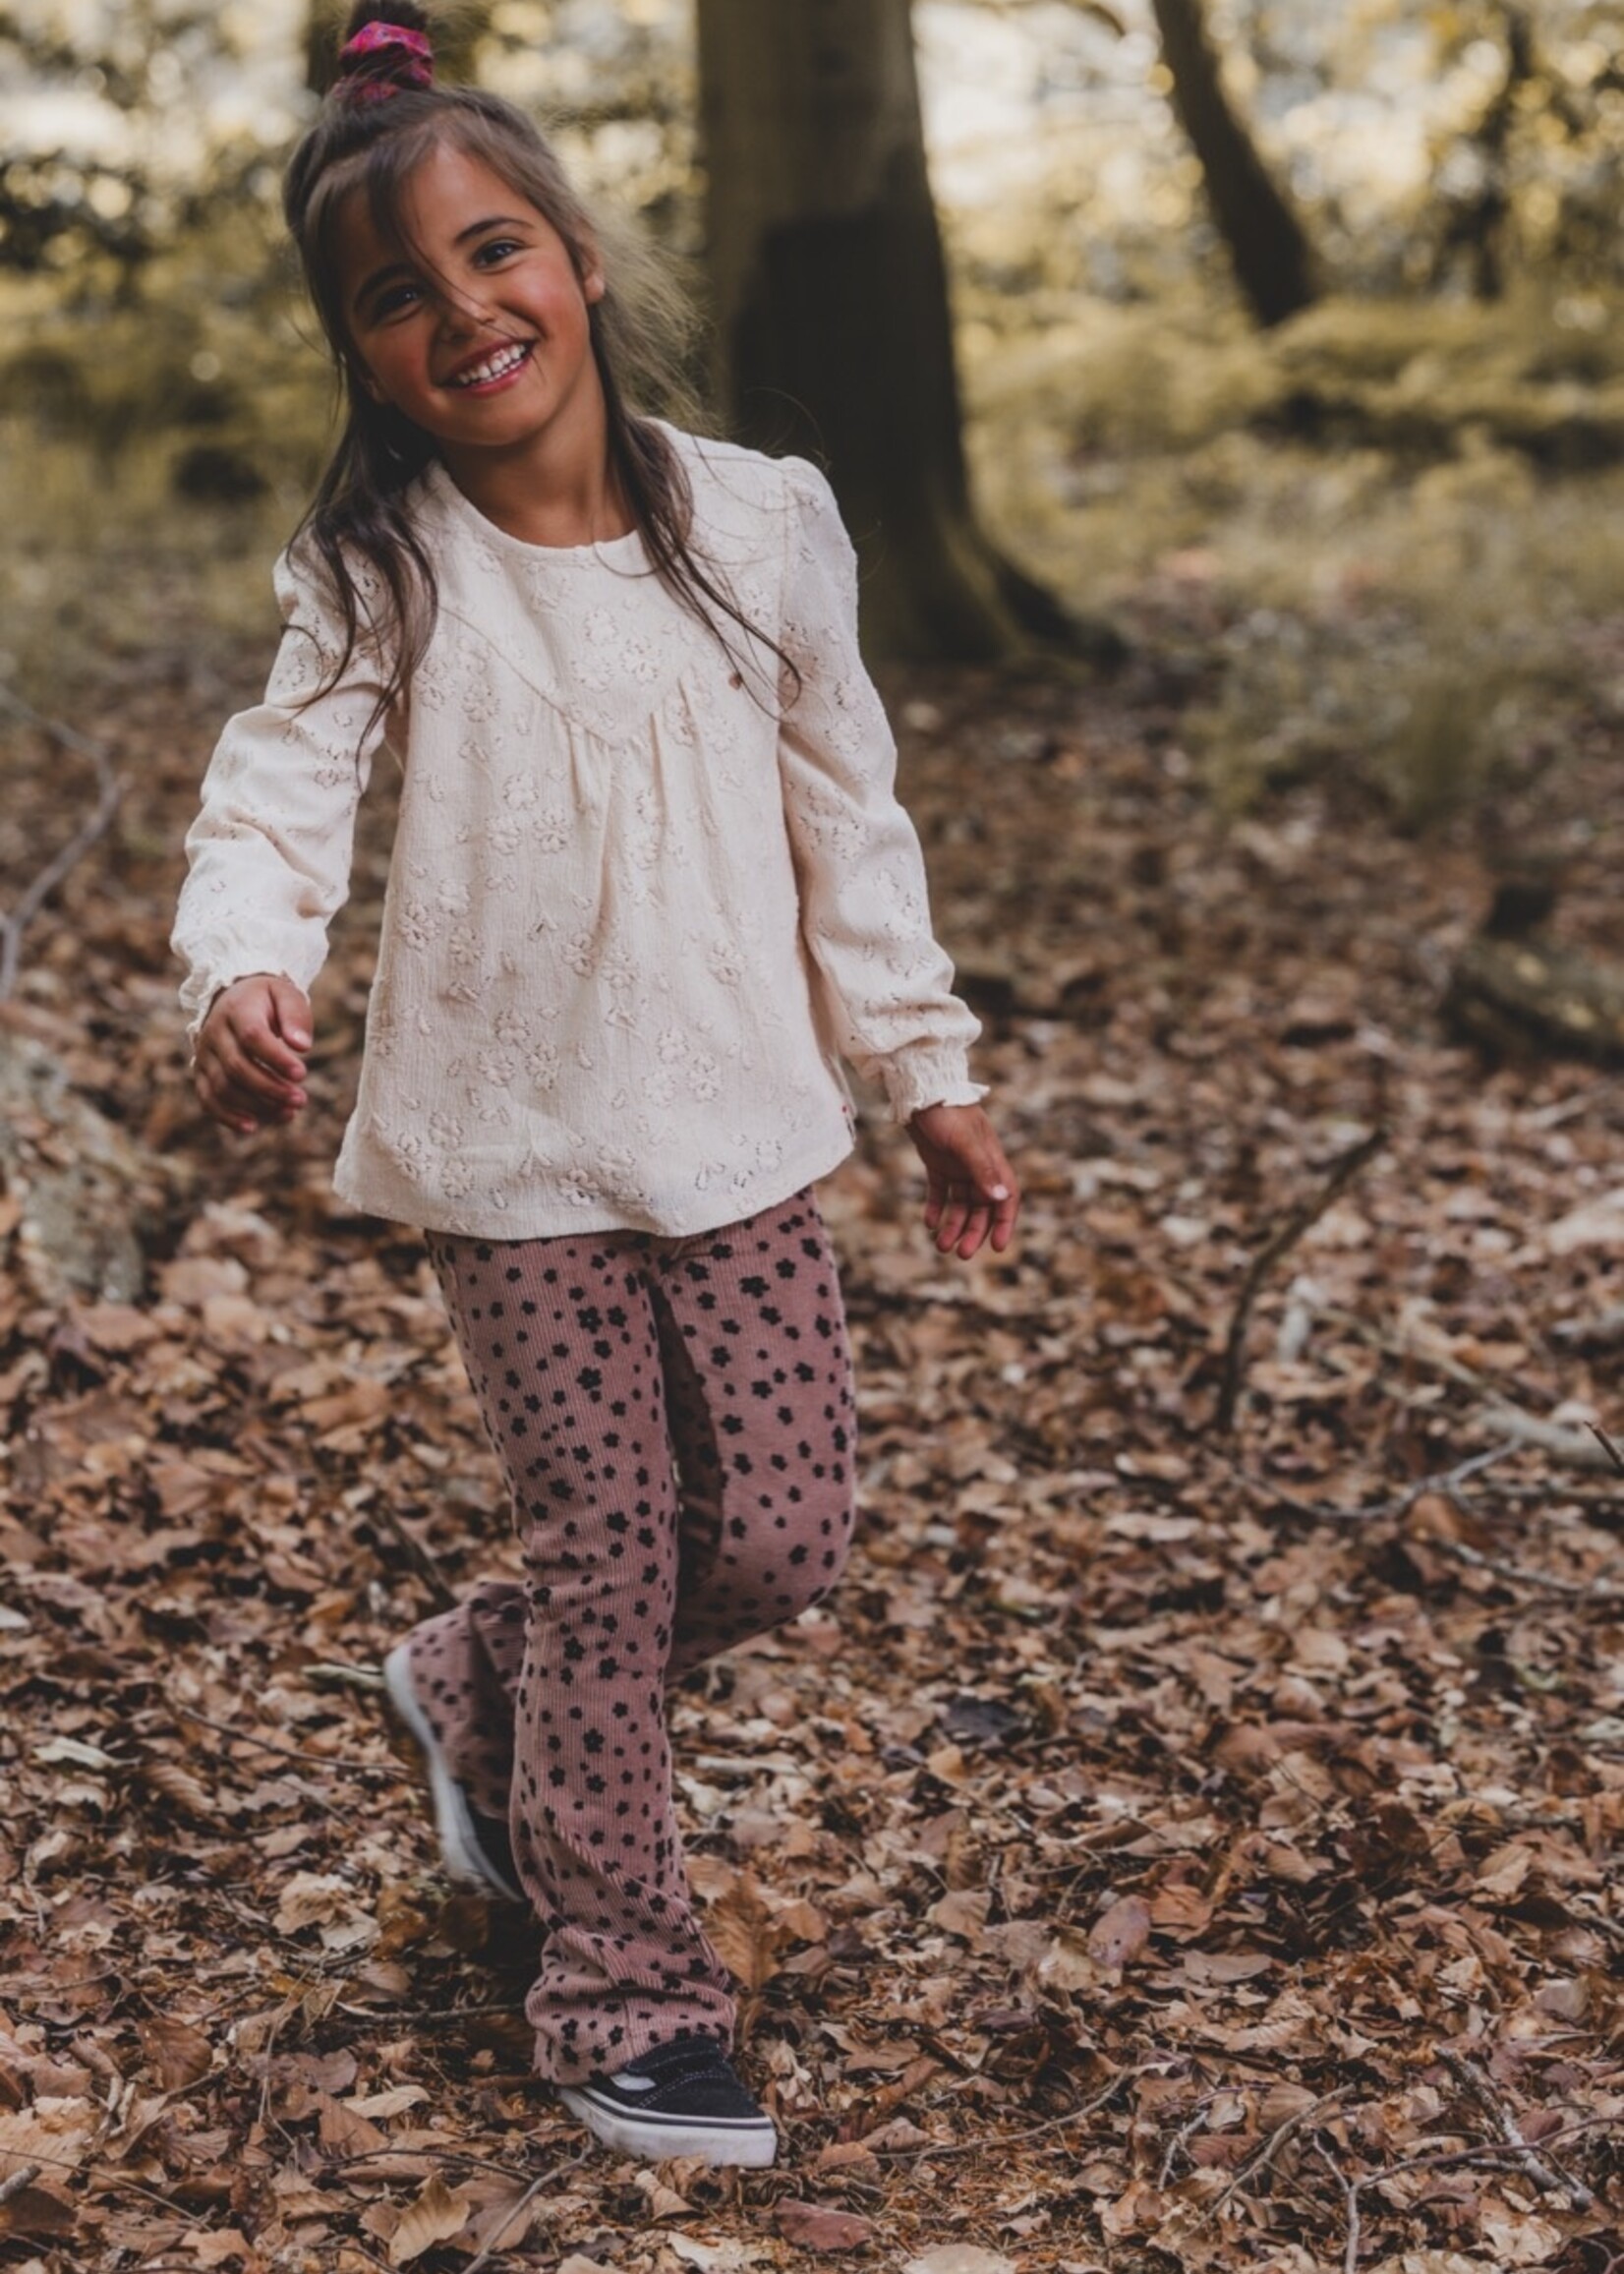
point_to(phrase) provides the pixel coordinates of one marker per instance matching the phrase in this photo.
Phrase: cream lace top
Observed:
(642, 897)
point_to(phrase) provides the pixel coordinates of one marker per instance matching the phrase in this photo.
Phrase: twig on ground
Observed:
(1350, 2196)
(1002, 2140)
(1607, 1447)
(15, 2182)
(287, 1752)
(1184, 2133)
(1468, 1378)
(1560, 1496)
(1603, 1330)
(427, 2016)
(420, 1559)
(1489, 2100)
(354, 2243)
(1521, 1574)
(330, 1676)
(1547, 1436)
(1261, 2158)
(1566, 1109)
(1447, 1482)
(421, 2155)
(1302, 1219)
(1370, 1511)
(1490, 2153)
(523, 2204)
(13, 926)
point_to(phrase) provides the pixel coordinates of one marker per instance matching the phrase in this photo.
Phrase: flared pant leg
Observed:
(676, 1425)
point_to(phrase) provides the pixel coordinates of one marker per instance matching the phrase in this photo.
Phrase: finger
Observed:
(974, 1232)
(228, 1117)
(291, 1010)
(1004, 1194)
(253, 1084)
(237, 1102)
(936, 1197)
(969, 1217)
(257, 1041)
(1004, 1217)
(951, 1225)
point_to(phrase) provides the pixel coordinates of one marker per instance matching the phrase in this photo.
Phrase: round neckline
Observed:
(610, 551)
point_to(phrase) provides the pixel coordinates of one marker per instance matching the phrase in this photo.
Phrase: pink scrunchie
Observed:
(368, 39)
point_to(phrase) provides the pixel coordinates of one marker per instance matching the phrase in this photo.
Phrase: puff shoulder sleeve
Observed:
(865, 914)
(268, 855)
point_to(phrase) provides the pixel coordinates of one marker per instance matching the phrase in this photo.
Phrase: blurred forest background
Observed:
(1187, 1839)
(1361, 442)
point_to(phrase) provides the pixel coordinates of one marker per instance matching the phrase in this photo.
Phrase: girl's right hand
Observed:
(249, 1065)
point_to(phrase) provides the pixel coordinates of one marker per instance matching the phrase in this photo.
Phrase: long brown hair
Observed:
(376, 126)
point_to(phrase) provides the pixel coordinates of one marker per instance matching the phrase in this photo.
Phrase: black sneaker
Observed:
(678, 2099)
(476, 1848)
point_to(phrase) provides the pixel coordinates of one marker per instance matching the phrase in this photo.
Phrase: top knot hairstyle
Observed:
(371, 45)
(381, 117)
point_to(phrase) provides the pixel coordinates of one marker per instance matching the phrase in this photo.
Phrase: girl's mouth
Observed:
(493, 369)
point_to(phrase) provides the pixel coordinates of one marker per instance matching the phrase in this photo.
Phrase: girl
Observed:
(650, 882)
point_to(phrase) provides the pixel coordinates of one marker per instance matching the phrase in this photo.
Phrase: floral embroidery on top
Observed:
(645, 898)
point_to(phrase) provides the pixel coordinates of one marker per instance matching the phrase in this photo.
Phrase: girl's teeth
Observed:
(494, 367)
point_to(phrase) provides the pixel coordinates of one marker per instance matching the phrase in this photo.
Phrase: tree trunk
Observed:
(1274, 260)
(834, 334)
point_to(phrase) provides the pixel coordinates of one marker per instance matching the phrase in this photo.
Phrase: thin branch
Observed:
(1546, 1436)
(1372, 1511)
(1607, 1447)
(1184, 2133)
(1262, 2157)
(1003, 2140)
(1521, 1574)
(1448, 1483)
(1435, 1362)
(334, 1675)
(1566, 1109)
(1302, 1219)
(1549, 2181)
(13, 926)
(429, 2157)
(287, 1752)
(1490, 2152)
(523, 2204)
(1350, 2196)
(1549, 1495)
(418, 1556)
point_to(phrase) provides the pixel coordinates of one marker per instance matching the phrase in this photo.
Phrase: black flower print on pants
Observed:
(676, 1425)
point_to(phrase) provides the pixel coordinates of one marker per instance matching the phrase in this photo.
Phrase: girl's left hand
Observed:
(970, 1188)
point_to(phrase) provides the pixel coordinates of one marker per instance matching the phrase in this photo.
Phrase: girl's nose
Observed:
(463, 314)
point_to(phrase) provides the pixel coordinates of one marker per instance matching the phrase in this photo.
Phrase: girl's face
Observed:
(474, 328)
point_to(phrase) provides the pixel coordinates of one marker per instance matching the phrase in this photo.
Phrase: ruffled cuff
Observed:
(938, 1075)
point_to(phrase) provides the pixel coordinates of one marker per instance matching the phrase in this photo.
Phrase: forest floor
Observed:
(1171, 1847)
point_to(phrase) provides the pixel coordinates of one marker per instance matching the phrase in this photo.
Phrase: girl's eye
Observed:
(393, 300)
(498, 249)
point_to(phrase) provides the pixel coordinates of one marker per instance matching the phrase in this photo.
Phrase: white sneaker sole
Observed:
(742, 2140)
(464, 1860)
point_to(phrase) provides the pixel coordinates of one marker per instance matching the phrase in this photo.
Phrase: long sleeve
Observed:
(860, 871)
(268, 855)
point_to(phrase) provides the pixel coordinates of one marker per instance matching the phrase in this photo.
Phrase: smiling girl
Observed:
(650, 885)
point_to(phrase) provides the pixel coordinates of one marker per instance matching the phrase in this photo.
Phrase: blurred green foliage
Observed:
(1380, 541)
